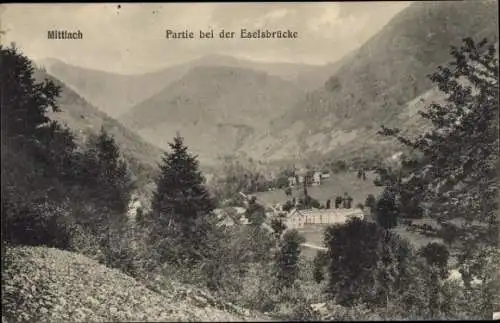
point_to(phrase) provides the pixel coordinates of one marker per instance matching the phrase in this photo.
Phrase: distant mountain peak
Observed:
(223, 70)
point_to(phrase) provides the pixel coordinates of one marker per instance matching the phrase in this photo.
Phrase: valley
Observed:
(252, 179)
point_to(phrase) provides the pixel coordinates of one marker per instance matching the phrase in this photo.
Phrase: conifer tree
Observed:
(36, 155)
(25, 102)
(181, 200)
(108, 172)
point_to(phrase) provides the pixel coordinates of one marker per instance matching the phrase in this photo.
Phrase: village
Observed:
(296, 209)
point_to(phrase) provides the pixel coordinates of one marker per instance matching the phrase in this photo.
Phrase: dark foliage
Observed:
(180, 200)
(436, 254)
(386, 211)
(287, 258)
(365, 262)
(453, 172)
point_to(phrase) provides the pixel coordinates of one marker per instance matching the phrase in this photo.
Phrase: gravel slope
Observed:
(49, 285)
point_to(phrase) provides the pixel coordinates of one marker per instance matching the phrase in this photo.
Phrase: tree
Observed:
(386, 211)
(370, 201)
(449, 232)
(287, 258)
(36, 157)
(319, 263)
(364, 270)
(437, 255)
(104, 184)
(278, 227)
(455, 173)
(282, 182)
(255, 213)
(25, 102)
(180, 200)
(107, 173)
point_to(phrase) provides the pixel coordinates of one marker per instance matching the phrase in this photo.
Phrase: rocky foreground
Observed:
(49, 285)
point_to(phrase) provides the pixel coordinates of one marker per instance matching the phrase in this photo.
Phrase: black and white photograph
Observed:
(250, 161)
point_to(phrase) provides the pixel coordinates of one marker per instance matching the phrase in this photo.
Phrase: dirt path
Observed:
(307, 245)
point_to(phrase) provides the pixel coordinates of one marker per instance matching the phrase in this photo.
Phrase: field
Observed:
(338, 184)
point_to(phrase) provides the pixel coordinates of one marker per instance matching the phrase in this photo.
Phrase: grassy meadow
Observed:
(337, 184)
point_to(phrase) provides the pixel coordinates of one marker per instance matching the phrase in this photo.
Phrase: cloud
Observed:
(131, 39)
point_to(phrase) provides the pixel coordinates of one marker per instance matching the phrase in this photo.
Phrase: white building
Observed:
(297, 219)
(325, 175)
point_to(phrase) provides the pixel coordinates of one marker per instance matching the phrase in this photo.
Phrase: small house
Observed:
(230, 216)
(292, 181)
(316, 178)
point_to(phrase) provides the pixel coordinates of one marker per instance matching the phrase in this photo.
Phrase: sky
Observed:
(130, 38)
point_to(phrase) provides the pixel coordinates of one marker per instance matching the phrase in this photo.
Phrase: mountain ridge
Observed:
(214, 107)
(375, 83)
(116, 93)
(83, 119)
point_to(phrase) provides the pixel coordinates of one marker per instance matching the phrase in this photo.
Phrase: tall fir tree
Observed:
(181, 200)
(108, 172)
(25, 102)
